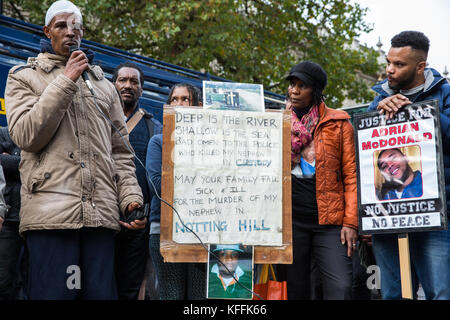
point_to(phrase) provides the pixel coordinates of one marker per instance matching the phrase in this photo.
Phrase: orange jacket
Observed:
(335, 168)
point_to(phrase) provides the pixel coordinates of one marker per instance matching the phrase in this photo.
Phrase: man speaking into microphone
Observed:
(77, 173)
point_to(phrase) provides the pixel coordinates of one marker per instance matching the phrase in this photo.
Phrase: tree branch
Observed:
(16, 10)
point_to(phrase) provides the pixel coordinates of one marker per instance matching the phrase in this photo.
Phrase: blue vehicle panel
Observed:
(20, 40)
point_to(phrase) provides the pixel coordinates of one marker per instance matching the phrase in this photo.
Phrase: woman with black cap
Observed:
(324, 200)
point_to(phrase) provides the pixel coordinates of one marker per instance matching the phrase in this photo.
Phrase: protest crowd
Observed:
(76, 199)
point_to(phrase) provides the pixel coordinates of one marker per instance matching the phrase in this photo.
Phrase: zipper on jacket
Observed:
(93, 180)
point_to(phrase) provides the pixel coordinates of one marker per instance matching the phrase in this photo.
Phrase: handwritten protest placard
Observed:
(400, 170)
(227, 176)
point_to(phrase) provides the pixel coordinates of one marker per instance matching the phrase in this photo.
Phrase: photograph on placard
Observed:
(398, 173)
(230, 271)
(233, 96)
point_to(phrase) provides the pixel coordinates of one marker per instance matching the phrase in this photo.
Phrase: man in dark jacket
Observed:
(408, 81)
(132, 245)
(10, 241)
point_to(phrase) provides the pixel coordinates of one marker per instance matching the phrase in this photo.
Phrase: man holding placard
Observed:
(408, 81)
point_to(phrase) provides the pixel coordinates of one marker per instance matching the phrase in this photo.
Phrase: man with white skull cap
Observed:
(61, 6)
(77, 173)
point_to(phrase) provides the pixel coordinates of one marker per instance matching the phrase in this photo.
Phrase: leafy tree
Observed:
(254, 41)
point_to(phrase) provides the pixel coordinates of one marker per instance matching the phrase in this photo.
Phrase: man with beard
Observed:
(400, 180)
(408, 81)
(132, 245)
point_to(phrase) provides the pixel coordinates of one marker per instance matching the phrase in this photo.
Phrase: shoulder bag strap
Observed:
(134, 121)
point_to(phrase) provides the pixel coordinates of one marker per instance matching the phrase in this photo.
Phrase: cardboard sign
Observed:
(228, 177)
(227, 174)
(401, 185)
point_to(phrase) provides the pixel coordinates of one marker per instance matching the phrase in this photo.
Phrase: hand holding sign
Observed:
(392, 104)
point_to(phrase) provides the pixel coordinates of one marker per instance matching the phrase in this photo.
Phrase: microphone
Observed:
(84, 75)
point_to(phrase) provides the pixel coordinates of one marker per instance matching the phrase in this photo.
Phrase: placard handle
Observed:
(405, 266)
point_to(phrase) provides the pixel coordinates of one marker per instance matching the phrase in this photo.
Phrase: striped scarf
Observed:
(301, 132)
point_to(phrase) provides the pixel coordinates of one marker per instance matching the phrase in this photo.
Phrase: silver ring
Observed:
(354, 244)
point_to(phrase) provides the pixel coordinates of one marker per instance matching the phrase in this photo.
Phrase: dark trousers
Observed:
(131, 259)
(359, 285)
(323, 244)
(11, 245)
(178, 281)
(71, 264)
(360, 276)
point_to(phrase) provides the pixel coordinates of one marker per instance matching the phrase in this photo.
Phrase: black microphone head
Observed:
(73, 48)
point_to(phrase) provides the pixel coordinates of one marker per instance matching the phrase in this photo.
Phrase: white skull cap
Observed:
(61, 6)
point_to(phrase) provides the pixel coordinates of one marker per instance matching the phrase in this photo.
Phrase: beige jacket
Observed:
(75, 169)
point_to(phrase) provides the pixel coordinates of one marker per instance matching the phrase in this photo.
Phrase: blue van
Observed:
(20, 40)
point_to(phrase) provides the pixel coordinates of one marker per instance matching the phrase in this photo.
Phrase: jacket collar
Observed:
(46, 46)
(327, 114)
(47, 62)
(47, 59)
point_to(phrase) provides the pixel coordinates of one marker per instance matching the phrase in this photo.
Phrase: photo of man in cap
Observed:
(227, 277)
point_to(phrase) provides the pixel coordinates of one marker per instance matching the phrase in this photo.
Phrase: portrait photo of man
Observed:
(231, 277)
(400, 180)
